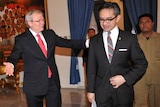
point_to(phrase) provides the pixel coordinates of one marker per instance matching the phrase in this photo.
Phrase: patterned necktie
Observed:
(110, 47)
(41, 45)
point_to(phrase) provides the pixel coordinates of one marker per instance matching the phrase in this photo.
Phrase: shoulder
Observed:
(156, 34)
(22, 35)
(127, 35)
(48, 31)
(96, 37)
(50, 34)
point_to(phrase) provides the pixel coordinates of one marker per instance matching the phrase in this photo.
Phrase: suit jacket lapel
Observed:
(33, 44)
(118, 44)
(101, 45)
(49, 46)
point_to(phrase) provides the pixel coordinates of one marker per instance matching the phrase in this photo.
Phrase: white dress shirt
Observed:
(114, 36)
(41, 35)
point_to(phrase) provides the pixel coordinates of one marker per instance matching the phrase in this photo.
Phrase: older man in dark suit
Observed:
(37, 46)
(111, 74)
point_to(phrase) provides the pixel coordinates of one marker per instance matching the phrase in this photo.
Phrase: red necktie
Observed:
(41, 45)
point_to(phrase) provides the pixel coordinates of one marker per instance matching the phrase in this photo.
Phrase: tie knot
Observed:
(109, 33)
(108, 36)
(38, 35)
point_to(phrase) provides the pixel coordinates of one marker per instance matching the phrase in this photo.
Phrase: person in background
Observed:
(36, 46)
(110, 75)
(147, 89)
(91, 33)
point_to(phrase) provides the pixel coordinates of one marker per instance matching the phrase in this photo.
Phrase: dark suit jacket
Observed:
(85, 58)
(35, 63)
(100, 70)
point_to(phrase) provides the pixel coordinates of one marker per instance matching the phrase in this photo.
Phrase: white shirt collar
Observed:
(41, 35)
(34, 33)
(114, 35)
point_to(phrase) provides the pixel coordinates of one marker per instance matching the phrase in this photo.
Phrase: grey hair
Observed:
(28, 16)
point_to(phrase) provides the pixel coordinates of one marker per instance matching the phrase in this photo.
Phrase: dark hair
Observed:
(91, 29)
(146, 15)
(111, 5)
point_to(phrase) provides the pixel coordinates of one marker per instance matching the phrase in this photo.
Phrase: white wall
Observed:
(58, 16)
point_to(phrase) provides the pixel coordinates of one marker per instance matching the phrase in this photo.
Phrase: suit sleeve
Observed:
(16, 52)
(92, 68)
(139, 63)
(68, 43)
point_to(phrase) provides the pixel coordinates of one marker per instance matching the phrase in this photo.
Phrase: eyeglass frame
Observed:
(107, 19)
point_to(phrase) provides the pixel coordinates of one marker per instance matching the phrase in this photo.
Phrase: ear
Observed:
(153, 24)
(118, 18)
(29, 23)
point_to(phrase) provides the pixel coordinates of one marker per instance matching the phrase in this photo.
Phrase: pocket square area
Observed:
(122, 49)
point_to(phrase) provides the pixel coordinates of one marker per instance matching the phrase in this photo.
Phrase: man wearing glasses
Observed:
(111, 74)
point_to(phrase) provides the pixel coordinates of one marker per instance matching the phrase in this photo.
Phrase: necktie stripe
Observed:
(110, 47)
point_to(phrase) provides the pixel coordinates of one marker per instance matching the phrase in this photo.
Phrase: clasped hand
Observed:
(117, 81)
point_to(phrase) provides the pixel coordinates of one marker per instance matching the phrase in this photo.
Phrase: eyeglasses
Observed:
(42, 20)
(107, 20)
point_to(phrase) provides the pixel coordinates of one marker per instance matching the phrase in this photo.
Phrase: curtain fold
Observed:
(80, 12)
(97, 5)
(137, 7)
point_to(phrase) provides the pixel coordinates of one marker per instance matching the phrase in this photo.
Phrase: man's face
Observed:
(91, 33)
(37, 23)
(145, 24)
(107, 19)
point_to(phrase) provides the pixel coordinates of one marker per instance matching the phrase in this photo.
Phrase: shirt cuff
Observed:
(87, 43)
(12, 65)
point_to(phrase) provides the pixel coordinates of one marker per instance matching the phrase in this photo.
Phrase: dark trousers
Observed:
(114, 103)
(52, 97)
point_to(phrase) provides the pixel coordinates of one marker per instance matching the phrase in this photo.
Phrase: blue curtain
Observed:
(80, 12)
(137, 7)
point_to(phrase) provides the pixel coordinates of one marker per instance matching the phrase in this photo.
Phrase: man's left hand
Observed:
(117, 81)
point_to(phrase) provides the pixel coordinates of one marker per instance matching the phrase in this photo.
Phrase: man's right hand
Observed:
(9, 68)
